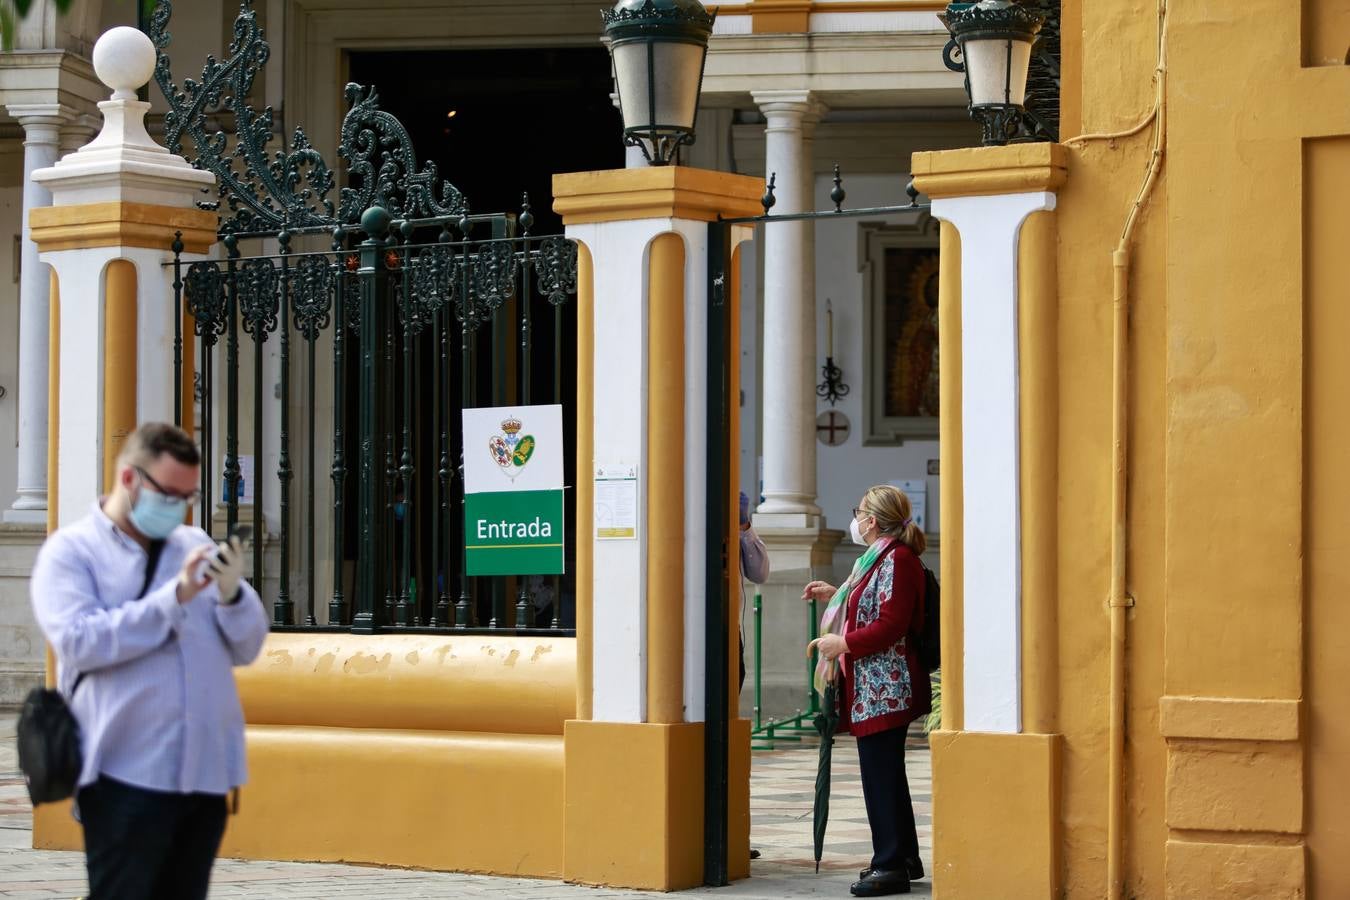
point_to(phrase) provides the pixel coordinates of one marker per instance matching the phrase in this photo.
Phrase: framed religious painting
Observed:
(899, 263)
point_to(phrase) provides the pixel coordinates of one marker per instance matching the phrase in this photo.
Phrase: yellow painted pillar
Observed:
(119, 363)
(585, 473)
(635, 755)
(665, 503)
(997, 758)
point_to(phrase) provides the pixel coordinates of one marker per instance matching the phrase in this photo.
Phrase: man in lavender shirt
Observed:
(147, 617)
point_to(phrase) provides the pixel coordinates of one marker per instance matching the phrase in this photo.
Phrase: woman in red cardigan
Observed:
(885, 685)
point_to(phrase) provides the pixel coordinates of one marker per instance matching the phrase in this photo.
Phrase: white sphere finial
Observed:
(124, 59)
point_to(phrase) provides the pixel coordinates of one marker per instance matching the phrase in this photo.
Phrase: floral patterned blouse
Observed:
(885, 684)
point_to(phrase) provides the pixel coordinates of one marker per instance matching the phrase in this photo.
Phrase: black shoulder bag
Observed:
(48, 734)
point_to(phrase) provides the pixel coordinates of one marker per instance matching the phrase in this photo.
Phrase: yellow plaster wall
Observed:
(1238, 646)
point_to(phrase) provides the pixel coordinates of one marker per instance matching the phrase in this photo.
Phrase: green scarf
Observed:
(832, 620)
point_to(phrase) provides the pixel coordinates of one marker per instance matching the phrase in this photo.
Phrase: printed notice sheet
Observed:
(616, 503)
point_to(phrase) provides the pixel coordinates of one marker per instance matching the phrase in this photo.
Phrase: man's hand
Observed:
(190, 581)
(818, 590)
(831, 646)
(227, 568)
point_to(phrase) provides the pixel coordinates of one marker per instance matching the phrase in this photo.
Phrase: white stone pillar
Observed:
(78, 132)
(42, 133)
(789, 324)
(89, 190)
(990, 452)
(810, 471)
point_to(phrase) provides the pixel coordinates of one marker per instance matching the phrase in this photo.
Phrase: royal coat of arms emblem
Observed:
(511, 450)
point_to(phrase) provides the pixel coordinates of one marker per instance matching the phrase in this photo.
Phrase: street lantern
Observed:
(995, 37)
(658, 48)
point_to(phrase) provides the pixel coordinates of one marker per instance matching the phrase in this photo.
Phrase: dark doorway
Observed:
(519, 116)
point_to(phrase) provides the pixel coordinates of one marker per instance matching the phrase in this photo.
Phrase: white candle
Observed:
(829, 329)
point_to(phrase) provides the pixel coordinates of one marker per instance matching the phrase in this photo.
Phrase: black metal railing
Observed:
(372, 346)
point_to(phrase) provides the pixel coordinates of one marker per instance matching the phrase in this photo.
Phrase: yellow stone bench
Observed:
(428, 751)
(435, 751)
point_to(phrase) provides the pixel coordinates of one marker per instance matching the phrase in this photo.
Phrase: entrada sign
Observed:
(513, 483)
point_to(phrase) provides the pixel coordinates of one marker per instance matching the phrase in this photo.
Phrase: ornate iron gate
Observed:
(395, 299)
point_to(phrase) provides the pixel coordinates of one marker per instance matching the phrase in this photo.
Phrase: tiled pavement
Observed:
(782, 787)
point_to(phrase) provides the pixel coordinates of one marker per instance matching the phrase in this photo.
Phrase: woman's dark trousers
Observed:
(890, 813)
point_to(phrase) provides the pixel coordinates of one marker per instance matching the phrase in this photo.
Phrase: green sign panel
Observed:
(514, 533)
(513, 480)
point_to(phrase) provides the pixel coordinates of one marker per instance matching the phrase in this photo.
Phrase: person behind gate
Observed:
(147, 617)
(866, 635)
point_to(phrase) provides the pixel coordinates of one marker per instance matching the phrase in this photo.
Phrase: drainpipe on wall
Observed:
(1120, 600)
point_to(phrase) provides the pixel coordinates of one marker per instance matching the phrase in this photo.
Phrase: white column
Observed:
(789, 323)
(42, 134)
(992, 516)
(814, 114)
(78, 132)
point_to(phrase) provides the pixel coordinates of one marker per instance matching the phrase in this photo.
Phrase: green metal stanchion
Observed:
(765, 734)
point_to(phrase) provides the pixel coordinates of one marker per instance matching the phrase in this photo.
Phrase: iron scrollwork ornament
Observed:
(312, 295)
(264, 190)
(258, 289)
(206, 300)
(558, 269)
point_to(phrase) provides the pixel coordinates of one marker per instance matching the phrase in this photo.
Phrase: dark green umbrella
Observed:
(826, 723)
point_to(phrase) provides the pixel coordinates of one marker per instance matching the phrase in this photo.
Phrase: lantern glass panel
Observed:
(676, 67)
(987, 67)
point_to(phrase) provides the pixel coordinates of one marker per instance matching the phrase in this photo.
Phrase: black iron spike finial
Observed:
(768, 200)
(339, 237)
(177, 245)
(913, 193)
(526, 219)
(464, 223)
(837, 195)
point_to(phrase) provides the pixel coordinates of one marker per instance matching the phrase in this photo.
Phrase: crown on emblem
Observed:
(511, 425)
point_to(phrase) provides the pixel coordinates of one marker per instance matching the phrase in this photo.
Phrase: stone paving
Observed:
(782, 786)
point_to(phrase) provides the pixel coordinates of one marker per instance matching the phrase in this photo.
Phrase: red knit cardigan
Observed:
(885, 684)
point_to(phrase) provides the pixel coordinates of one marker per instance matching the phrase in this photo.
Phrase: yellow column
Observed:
(635, 790)
(1037, 319)
(585, 473)
(996, 796)
(119, 363)
(665, 491)
(949, 424)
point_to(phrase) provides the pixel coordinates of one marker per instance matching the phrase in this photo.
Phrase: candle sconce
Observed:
(832, 388)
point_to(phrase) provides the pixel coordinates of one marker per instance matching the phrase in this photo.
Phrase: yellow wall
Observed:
(1237, 747)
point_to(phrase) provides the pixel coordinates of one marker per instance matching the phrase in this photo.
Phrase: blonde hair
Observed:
(891, 508)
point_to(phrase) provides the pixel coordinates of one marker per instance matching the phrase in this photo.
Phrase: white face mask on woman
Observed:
(855, 531)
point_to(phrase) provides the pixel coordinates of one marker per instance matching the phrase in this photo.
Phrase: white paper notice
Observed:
(616, 503)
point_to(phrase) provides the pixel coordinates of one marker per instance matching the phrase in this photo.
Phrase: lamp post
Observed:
(995, 37)
(658, 48)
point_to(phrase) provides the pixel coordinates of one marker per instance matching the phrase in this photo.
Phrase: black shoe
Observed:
(913, 866)
(754, 854)
(880, 884)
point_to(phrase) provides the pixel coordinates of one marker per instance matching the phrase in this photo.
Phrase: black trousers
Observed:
(890, 813)
(149, 845)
